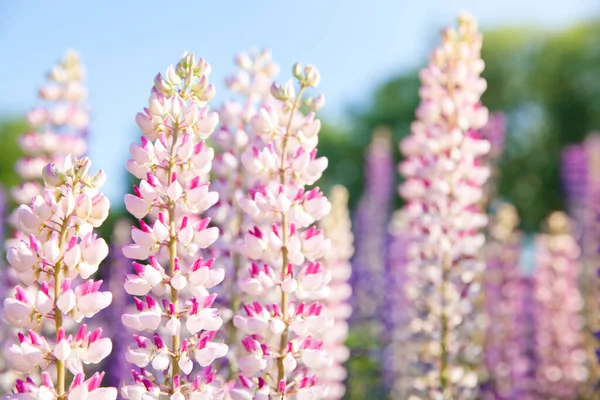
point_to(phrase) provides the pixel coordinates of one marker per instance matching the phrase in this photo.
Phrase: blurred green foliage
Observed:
(548, 84)
(10, 130)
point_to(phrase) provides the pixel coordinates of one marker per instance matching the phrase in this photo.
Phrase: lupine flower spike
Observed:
(372, 217)
(560, 357)
(117, 367)
(60, 249)
(233, 137)
(495, 132)
(443, 190)
(284, 351)
(59, 128)
(337, 227)
(396, 333)
(581, 180)
(505, 348)
(174, 316)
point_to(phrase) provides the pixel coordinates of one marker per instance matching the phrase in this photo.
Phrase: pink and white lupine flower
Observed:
(443, 190)
(80, 389)
(581, 181)
(284, 356)
(252, 83)
(174, 312)
(337, 227)
(60, 248)
(58, 128)
(561, 360)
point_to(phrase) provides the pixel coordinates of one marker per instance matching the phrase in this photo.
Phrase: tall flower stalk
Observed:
(495, 132)
(283, 349)
(337, 227)
(172, 279)
(117, 367)
(581, 181)
(60, 249)
(59, 127)
(371, 220)
(7, 375)
(395, 358)
(252, 83)
(505, 352)
(443, 190)
(560, 356)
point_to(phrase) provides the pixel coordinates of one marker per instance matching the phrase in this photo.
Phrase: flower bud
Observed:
(312, 76)
(52, 176)
(297, 71)
(278, 92)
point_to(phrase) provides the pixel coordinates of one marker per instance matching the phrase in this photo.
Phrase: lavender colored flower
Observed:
(396, 319)
(337, 227)
(504, 352)
(118, 266)
(371, 220)
(495, 132)
(561, 359)
(581, 182)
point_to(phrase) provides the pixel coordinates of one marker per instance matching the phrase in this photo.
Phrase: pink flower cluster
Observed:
(560, 356)
(443, 190)
(252, 83)
(174, 316)
(54, 262)
(59, 128)
(283, 346)
(337, 227)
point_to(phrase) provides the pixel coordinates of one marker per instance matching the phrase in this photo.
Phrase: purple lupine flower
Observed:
(371, 220)
(524, 371)
(119, 266)
(581, 182)
(495, 132)
(561, 359)
(504, 352)
(574, 174)
(395, 362)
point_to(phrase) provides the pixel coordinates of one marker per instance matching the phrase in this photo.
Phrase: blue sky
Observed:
(356, 44)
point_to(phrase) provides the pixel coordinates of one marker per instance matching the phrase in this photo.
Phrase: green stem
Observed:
(175, 339)
(284, 238)
(58, 317)
(446, 265)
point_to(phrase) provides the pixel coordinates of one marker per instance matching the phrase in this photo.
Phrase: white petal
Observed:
(62, 350)
(66, 301)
